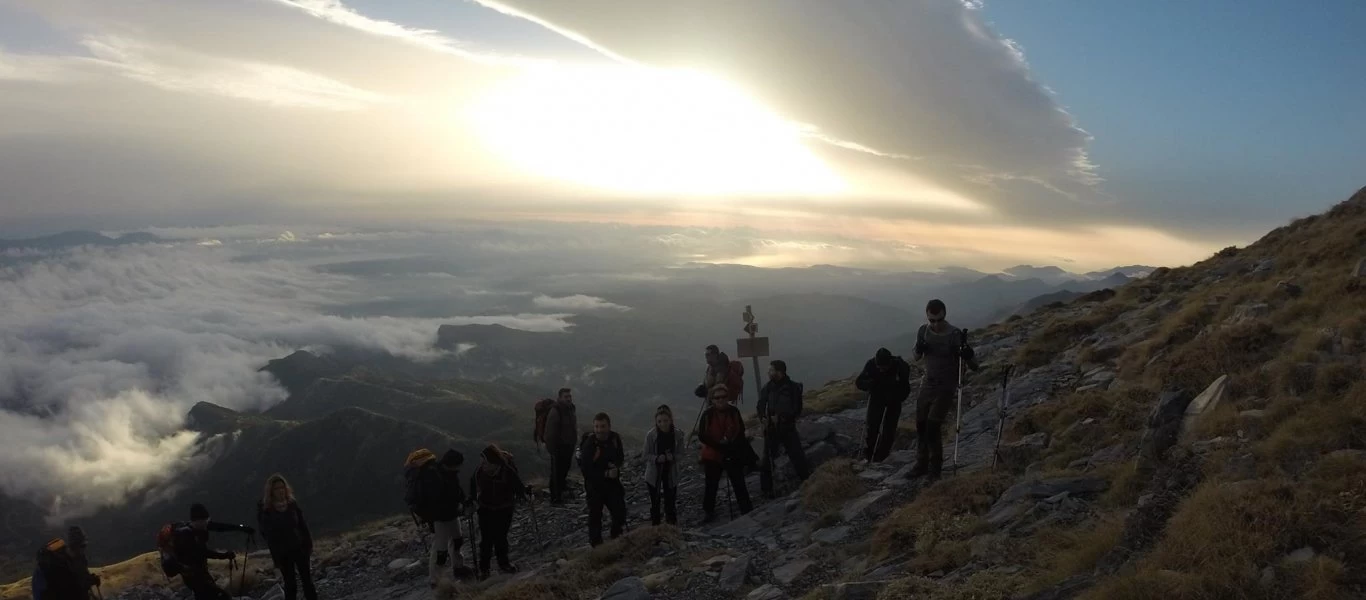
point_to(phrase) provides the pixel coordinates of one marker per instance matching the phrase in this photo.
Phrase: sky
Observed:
(982, 134)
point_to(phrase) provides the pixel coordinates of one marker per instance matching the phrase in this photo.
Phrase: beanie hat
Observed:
(883, 357)
(453, 458)
(75, 536)
(198, 512)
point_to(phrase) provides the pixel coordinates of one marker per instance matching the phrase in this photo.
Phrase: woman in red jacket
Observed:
(724, 448)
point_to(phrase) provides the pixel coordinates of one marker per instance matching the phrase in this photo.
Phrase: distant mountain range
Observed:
(73, 239)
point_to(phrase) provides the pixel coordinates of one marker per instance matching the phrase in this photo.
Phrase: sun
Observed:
(644, 130)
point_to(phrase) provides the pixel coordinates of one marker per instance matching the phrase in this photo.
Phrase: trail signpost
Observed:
(752, 347)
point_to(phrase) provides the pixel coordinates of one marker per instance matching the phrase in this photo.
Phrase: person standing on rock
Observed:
(496, 486)
(887, 379)
(945, 350)
(724, 449)
(663, 449)
(561, 429)
(435, 496)
(601, 456)
(780, 404)
(282, 526)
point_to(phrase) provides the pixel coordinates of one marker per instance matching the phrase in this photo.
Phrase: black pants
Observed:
(288, 561)
(561, 458)
(493, 537)
(201, 583)
(931, 408)
(666, 492)
(882, 419)
(611, 495)
(736, 473)
(783, 436)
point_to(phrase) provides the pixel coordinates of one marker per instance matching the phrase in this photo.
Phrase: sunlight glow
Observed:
(643, 130)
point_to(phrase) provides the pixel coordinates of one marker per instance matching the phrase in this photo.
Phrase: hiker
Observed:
(887, 379)
(942, 346)
(601, 457)
(561, 429)
(191, 543)
(282, 526)
(779, 406)
(63, 571)
(721, 370)
(724, 449)
(435, 497)
(495, 488)
(663, 450)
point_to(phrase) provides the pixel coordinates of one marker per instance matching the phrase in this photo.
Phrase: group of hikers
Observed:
(437, 496)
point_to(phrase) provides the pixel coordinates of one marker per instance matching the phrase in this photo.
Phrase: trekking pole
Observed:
(730, 497)
(881, 426)
(535, 526)
(958, 413)
(1001, 414)
(420, 536)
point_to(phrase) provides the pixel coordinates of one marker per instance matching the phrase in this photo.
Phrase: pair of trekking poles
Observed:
(958, 412)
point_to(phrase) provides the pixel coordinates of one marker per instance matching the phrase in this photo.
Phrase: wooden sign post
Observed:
(752, 347)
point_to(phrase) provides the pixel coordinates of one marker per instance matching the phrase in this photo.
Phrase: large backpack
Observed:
(170, 565)
(543, 408)
(419, 472)
(46, 557)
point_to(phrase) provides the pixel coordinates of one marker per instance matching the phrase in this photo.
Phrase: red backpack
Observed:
(543, 407)
(166, 548)
(735, 379)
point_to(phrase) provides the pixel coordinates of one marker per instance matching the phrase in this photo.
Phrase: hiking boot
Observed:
(462, 572)
(508, 568)
(709, 518)
(917, 471)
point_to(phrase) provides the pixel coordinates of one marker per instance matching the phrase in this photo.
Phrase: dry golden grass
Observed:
(831, 485)
(1221, 538)
(834, 397)
(1062, 553)
(948, 510)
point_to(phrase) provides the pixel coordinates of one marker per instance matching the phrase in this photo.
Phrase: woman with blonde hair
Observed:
(282, 525)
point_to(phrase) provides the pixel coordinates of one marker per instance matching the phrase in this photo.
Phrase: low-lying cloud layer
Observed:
(102, 352)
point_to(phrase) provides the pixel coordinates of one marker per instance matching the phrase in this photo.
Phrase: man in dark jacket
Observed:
(63, 571)
(561, 430)
(780, 404)
(193, 553)
(887, 379)
(601, 456)
(945, 350)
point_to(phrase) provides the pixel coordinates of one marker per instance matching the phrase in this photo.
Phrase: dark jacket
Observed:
(717, 423)
(561, 425)
(496, 487)
(892, 386)
(595, 455)
(436, 493)
(192, 546)
(284, 532)
(65, 577)
(781, 399)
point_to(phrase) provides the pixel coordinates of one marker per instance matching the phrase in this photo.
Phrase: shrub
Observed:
(831, 485)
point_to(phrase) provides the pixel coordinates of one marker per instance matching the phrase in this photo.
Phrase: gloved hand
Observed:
(967, 353)
(94, 580)
(700, 391)
(232, 555)
(469, 510)
(921, 347)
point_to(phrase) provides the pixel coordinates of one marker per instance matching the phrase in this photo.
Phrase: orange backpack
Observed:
(543, 407)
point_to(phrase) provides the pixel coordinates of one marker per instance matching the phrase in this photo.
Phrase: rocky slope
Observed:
(1199, 433)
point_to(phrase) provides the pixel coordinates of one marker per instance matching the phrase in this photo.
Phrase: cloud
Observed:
(923, 87)
(105, 349)
(576, 302)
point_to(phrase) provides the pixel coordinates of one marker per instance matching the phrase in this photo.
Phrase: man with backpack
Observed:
(436, 497)
(190, 545)
(63, 572)
(779, 406)
(561, 429)
(721, 370)
(887, 379)
(601, 456)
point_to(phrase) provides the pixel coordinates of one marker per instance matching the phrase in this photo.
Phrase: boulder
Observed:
(767, 591)
(831, 535)
(1203, 404)
(854, 508)
(859, 590)
(792, 571)
(631, 588)
(1164, 424)
(733, 574)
